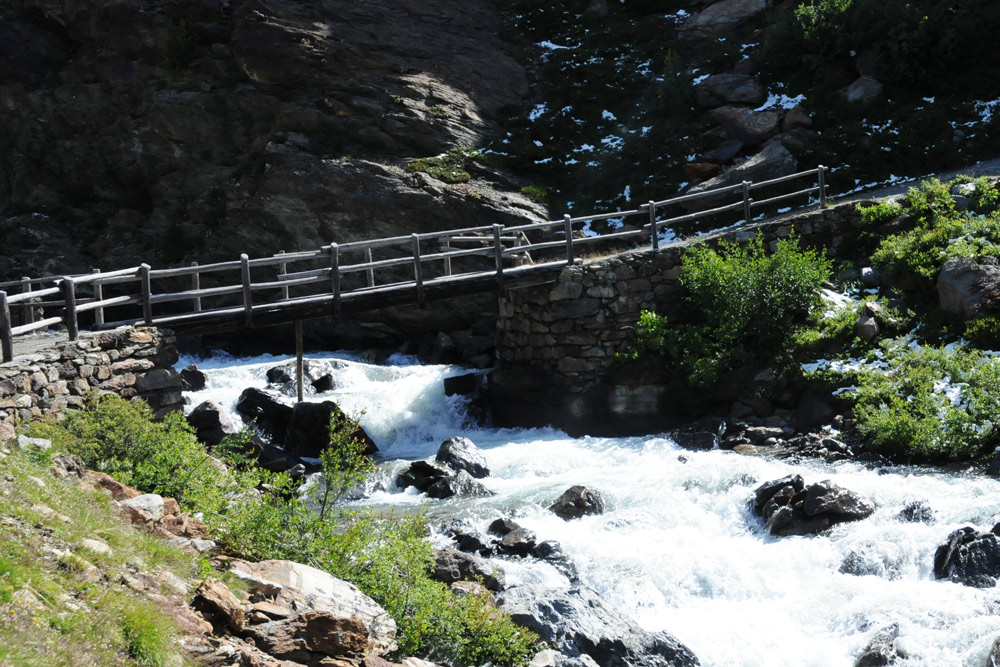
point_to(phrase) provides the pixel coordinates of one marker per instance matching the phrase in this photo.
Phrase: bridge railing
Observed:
(337, 273)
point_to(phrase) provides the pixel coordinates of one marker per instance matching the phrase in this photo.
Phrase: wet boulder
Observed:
(577, 501)
(421, 475)
(881, 650)
(193, 379)
(211, 423)
(308, 430)
(268, 412)
(916, 512)
(789, 507)
(515, 539)
(451, 566)
(552, 553)
(319, 374)
(576, 622)
(460, 453)
(969, 557)
(459, 485)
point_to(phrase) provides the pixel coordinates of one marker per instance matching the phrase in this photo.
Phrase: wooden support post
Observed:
(147, 294)
(822, 186)
(568, 226)
(498, 254)
(247, 291)
(298, 359)
(370, 271)
(69, 310)
(652, 225)
(6, 335)
(29, 308)
(283, 269)
(98, 296)
(418, 269)
(196, 286)
(746, 201)
(335, 277)
(446, 248)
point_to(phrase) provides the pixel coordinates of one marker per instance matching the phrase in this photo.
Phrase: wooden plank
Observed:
(98, 299)
(445, 251)
(418, 269)
(568, 231)
(715, 192)
(28, 296)
(29, 308)
(190, 294)
(6, 335)
(498, 254)
(69, 310)
(790, 195)
(784, 179)
(105, 303)
(147, 294)
(746, 201)
(298, 361)
(36, 326)
(282, 270)
(305, 274)
(287, 257)
(370, 271)
(653, 231)
(379, 264)
(335, 277)
(283, 285)
(821, 180)
(247, 292)
(187, 270)
(196, 287)
(104, 278)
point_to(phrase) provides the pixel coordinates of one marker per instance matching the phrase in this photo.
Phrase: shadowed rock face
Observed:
(164, 132)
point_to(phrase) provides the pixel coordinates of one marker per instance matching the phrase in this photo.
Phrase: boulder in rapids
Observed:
(789, 507)
(451, 566)
(269, 414)
(211, 423)
(308, 431)
(577, 501)
(969, 557)
(460, 453)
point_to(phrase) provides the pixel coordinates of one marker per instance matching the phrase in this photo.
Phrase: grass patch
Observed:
(449, 167)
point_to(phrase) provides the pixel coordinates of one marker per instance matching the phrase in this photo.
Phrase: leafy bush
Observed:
(878, 213)
(261, 515)
(748, 302)
(932, 198)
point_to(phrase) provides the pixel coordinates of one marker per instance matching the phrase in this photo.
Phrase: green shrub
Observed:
(535, 193)
(449, 167)
(878, 213)
(929, 402)
(932, 198)
(147, 640)
(748, 303)
(985, 195)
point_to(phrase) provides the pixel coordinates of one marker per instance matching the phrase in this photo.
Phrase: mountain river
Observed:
(677, 548)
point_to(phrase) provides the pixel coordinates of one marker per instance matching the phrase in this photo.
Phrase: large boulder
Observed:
(576, 622)
(864, 90)
(319, 374)
(460, 453)
(730, 88)
(720, 17)
(193, 379)
(304, 589)
(966, 289)
(748, 125)
(515, 539)
(789, 507)
(268, 412)
(772, 161)
(211, 423)
(308, 430)
(969, 557)
(451, 566)
(881, 650)
(459, 485)
(421, 475)
(314, 637)
(577, 501)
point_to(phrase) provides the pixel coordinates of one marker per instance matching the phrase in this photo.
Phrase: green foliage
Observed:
(879, 213)
(984, 332)
(932, 198)
(147, 639)
(437, 111)
(536, 193)
(748, 302)
(262, 515)
(985, 195)
(930, 402)
(449, 167)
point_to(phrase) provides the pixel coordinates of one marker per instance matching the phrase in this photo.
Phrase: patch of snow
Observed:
(537, 112)
(929, 100)
(628, 193)
(543, 161)
(613, 142)
(552, 46)
(781, 101)
(699, 79)
(607, 115)
(538, 143)
(645, 130)
(584, 148)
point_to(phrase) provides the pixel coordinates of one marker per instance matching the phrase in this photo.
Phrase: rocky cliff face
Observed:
(167, 131)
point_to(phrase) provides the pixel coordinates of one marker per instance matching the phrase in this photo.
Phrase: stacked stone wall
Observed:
(133, 363)
(556, 344)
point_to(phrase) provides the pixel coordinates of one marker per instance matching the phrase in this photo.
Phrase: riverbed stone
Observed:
(451, 566)
(577, 501)
(789, 507)
(969, 557)
(881, 650)
(459, 485)
(460, 453)
(211, 423)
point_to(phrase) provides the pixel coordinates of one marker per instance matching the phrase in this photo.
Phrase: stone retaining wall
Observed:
(133, 363)
(556, 344)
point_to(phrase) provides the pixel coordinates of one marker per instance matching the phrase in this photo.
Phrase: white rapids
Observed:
(677, 548)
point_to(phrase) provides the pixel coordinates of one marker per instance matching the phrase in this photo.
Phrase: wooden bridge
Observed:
(342, 279)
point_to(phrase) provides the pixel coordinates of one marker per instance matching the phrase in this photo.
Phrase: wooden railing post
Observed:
(498, 254)
(370, 271)
(247, 291)
(652, 225)
(69, 309)
(147, 294)
(568, 226)
(6, 335)
(196, 286)
(446, 248)
(418, 269)
(746, 201)
(298, 361)
(282, 270)
(98, 296)
(335, 277)
(822, 186)
(29, 308)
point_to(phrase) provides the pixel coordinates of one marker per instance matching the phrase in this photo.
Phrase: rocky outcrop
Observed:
(719, 17)
(441, 483)
(789, 507)
(967, 289)
(164, 132)
(969, 557)
(576, 623)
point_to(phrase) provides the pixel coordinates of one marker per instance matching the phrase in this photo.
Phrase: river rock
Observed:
(316, 373)
(881, 650)
(577, 501)
(863, 91)
(268, 412)
(211, 423)
(515, 540)
(451, 566)
(193, 379)
(916, 512)
(144, 509)
(304, 588)
(966, 289)
(552, 553)
(788, 507)
(459, 485)
(969, 557)
(460, 453)
(420, 474)
(994, 658)
(308, 430)
(576, 622)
